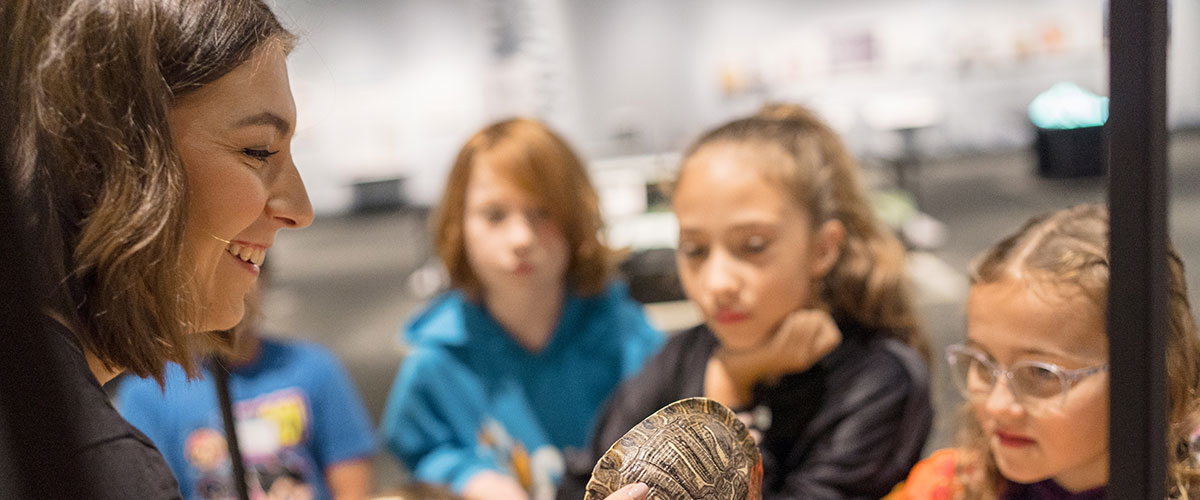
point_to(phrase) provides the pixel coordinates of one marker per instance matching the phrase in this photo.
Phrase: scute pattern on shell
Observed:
(694, 448)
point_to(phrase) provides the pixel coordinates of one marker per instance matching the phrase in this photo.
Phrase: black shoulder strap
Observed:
(221, 380)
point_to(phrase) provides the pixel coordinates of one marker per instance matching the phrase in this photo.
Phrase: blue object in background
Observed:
(1068, 106)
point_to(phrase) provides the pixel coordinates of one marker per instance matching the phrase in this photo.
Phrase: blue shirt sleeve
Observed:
(138, 402)
(342, 427)
(432, 419)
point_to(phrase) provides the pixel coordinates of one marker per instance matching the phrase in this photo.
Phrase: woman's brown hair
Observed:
(1069, 248)
(93, 153)
(539, 161)
(868, 283)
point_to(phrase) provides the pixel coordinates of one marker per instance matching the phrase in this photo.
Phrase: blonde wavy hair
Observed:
(1070, 247)
(868, 283)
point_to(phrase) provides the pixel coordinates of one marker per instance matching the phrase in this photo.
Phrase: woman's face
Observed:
(512, 244)
(1011, 321)
(234, 136)
(745, 253)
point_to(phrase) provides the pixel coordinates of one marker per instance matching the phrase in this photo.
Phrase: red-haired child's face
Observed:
(512, 244)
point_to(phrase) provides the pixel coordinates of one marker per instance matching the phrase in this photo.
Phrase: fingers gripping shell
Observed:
(693, 448)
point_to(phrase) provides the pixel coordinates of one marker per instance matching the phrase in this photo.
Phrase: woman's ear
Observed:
(825, 247)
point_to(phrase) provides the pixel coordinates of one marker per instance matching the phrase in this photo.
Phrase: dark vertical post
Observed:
(1137, 302)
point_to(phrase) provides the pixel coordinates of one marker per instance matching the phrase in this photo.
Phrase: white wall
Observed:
(384, 89)
(1183, 64)
(392, 88)
(635, 75)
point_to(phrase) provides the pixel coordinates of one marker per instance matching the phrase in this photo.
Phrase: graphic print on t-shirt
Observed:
(538, 472)
(270, 429)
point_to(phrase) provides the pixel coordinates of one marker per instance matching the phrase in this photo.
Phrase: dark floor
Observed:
(343, 281)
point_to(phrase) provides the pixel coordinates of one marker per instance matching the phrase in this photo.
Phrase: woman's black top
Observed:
(95, 454)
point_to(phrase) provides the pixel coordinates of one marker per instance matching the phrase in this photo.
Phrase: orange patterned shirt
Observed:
(931, 479)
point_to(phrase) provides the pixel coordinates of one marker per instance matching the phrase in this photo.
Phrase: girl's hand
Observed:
(802, 339)
(635, 491)
(492, 485)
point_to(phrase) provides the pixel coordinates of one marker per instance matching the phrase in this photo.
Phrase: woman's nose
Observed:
(288, 203)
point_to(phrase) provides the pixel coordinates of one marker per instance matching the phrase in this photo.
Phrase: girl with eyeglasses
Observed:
(1034, 371)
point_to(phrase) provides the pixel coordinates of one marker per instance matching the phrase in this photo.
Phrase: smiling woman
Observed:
(152, 143)
(177, 154)
(234, 137)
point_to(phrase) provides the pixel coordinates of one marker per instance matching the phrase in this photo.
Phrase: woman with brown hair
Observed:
(506, 371)
(152, 146)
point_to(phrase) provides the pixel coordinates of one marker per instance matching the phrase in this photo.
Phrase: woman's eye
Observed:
(259, 154)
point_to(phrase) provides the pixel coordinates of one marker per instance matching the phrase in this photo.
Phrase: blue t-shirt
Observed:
(469, 398)
(297, 413)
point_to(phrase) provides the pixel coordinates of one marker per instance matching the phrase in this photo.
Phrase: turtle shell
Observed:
(693, 448)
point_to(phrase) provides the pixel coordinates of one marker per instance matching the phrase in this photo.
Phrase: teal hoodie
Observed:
(468, 397)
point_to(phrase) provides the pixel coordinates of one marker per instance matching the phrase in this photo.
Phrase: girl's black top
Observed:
(850, 427)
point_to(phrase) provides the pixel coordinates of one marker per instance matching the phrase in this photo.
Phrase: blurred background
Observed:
(968, 116)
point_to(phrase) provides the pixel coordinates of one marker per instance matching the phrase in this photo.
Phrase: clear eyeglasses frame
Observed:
(1032, 383)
